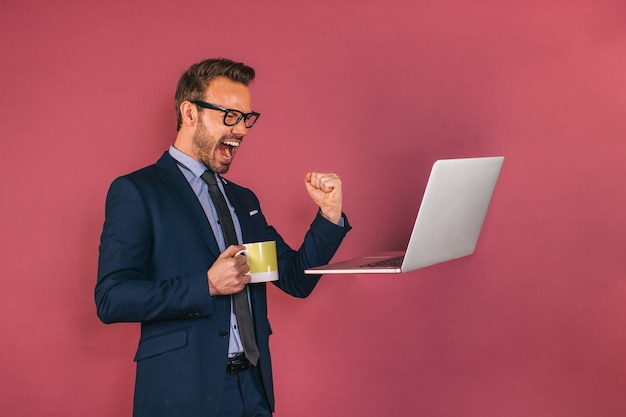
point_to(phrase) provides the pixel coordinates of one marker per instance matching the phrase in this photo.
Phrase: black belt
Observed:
(237, 364)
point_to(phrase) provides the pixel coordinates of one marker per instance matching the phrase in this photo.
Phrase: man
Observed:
(164, 261)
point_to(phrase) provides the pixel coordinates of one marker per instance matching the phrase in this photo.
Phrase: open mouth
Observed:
(228, 148)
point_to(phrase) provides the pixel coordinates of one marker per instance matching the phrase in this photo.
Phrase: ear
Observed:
(189, 113)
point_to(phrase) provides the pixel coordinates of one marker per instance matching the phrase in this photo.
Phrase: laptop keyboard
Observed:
(386, 263)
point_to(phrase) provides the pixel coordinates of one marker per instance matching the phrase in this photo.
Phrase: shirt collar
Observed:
(196, 167)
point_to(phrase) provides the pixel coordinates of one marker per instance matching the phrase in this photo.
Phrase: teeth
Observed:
(231, 143)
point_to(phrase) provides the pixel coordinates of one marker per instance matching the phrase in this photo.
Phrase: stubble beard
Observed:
(205, 149)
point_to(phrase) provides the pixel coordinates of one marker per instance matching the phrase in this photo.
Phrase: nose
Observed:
(240, 128)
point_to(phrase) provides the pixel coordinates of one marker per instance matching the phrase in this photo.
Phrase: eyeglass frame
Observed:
(226, 111)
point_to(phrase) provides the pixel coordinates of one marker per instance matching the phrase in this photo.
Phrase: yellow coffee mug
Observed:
(262, 260)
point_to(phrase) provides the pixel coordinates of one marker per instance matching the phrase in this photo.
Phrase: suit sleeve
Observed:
(130, 287)
(320, 244)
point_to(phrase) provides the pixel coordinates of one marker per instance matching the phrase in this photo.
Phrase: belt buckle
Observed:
(237, 364)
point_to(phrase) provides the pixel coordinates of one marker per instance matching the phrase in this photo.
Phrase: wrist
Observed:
(332, 215)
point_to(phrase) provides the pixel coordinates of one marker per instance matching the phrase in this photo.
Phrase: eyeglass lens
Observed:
(232, 117)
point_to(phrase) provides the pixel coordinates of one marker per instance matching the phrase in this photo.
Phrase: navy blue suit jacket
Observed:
(155, 251)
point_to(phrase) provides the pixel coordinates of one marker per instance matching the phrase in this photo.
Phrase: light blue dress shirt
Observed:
(192, 170)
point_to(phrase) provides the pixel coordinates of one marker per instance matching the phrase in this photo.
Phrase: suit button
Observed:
(223, 334)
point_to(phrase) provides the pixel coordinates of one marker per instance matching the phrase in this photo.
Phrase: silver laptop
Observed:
(448, 223)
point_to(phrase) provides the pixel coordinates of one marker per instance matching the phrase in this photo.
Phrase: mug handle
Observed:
(244, 253)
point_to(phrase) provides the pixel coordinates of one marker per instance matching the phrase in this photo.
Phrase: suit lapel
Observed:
(178, 185)
(257, 291)
(239, 206)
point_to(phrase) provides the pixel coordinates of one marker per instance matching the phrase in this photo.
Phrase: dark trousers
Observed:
(244, 396)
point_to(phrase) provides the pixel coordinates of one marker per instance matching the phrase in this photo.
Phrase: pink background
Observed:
(533, 324)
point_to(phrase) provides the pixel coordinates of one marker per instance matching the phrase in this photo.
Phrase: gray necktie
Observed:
(240, 300)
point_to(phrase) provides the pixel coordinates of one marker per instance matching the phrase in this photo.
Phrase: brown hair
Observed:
(194, 82)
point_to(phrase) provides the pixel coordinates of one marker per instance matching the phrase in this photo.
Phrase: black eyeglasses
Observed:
(231, 116)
